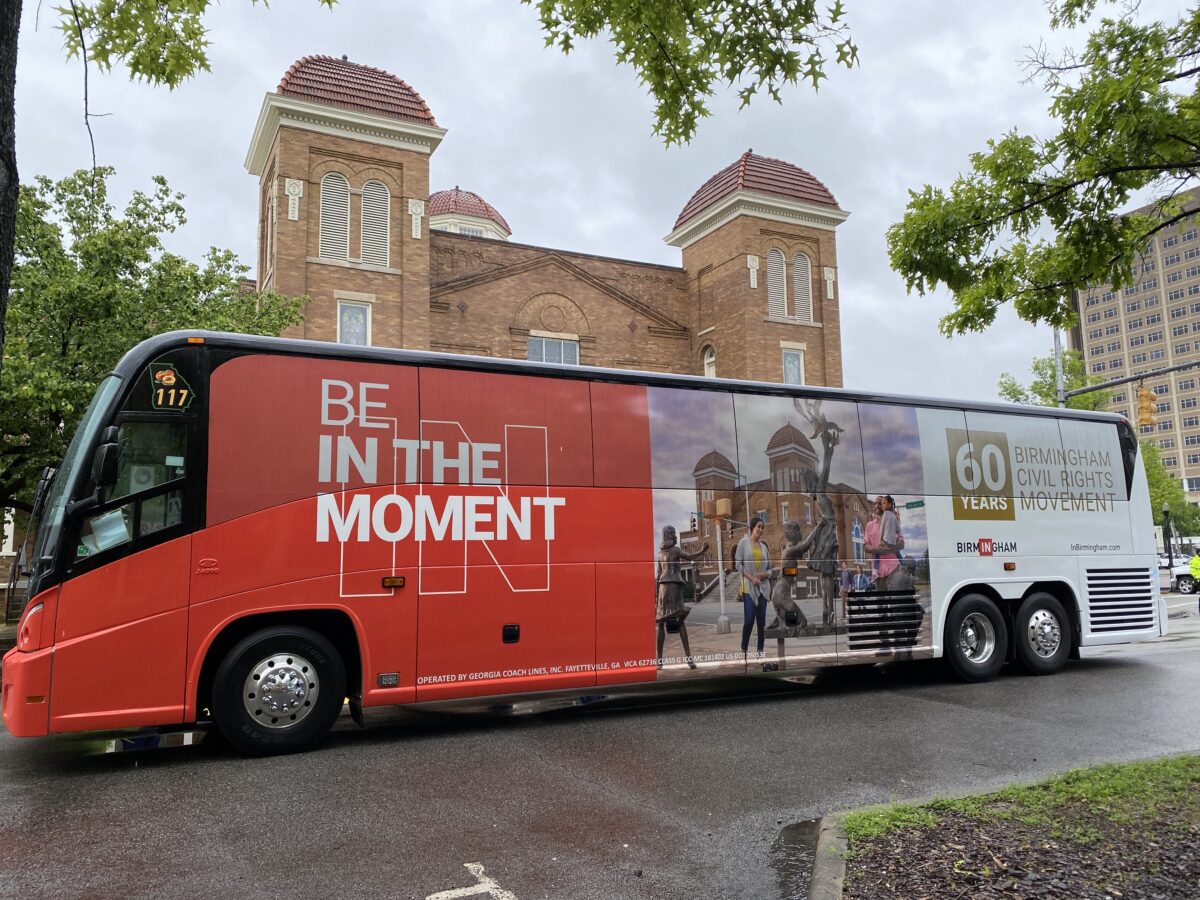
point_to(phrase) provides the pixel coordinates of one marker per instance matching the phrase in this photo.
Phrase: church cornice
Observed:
(762, 206)
(278, 111)
(664, 325)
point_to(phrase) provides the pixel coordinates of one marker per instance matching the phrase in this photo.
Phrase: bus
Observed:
(253, 533)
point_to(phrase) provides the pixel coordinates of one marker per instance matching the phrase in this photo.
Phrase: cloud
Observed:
(562, 146)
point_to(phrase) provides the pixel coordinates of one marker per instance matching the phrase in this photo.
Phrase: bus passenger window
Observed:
(152, 453)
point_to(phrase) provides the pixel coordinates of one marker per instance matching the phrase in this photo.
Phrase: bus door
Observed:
(121, 625)
(504, 532)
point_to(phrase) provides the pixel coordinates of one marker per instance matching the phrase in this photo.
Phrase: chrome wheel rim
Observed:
(280, 691)
(1044, 633)
(977, 638)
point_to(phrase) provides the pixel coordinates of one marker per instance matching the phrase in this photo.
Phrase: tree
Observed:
(1165, 489)
(87, 285)
(1038, 219)
(1043, 390)
(679, 51)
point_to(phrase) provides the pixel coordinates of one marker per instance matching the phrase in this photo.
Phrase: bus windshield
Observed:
(50, 525)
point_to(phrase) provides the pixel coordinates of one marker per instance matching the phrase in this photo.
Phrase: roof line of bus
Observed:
(133, 361)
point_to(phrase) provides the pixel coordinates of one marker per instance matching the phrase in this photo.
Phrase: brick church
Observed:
(347, 218)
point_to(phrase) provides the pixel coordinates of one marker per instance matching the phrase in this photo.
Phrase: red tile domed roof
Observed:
(464, 203)
(339, 82)
(789, 434)
(714, 460)
(760, 175)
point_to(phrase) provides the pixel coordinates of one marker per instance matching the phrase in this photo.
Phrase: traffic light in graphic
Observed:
(1147, 406)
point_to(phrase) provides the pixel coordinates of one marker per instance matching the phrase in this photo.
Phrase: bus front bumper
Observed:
(26, 692)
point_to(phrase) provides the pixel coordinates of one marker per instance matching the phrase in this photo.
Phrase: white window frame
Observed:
(798, 349)
(333, 224)
(777, 300)
(709, 356)
(375, 227)
(562, 339)
(364, 304)
(802, 293)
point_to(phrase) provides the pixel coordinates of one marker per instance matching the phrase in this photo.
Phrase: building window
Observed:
(710, 362)
(1170, 240)
(1165, 426)
(1187, 384)
(793, 367)
(1158, 354)
(1112, 329)
(335, 217)
(1185, 347)
(1187, 403)
(1171, 260)
(1137, 340)
(1117, 363)
(762, 514)
(1174, 277)
(776, 284)
(1098, 367)
(554, 350)
(784, 510)
(1179, 331)
(858, 540)
(802, 289)
(1138, 358)
(1110, 313)
(1167, 443)
(1193, 459)
(1163, 407)
(376, 212)
(1149, 284)
(354, 323)
(1191, 421)
(1170, 461)
(1190, 234)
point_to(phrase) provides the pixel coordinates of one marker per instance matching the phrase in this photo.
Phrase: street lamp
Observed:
(1167, 535)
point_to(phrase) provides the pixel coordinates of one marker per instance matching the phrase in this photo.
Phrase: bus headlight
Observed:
(29, 636)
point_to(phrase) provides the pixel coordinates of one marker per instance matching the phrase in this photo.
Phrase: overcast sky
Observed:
(562, 146)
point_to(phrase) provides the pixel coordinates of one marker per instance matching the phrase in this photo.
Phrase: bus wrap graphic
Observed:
(441, 490)
(980, 476)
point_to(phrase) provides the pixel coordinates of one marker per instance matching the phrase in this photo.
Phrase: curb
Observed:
(829, 860)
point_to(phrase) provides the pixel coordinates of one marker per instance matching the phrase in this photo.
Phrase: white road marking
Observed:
(487, 885)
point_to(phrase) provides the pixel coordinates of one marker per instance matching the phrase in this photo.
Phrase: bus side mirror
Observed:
(104, 465)
(104, 461)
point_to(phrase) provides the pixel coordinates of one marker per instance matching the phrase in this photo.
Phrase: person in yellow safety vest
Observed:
(1194, 567)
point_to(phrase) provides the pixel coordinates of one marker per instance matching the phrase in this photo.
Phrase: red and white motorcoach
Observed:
(251, 530)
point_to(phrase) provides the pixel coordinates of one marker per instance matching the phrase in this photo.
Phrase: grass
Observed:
(1165, 791)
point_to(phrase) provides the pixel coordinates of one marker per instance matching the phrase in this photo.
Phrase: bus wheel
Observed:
(976, 639)
(278, 690)
(1043, 634)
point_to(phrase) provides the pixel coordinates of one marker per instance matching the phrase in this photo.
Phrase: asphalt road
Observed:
(679, 797)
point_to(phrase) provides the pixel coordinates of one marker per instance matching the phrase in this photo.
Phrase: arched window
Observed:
(776, 284)
(802, 288)
(710, 362)
(856, 538)
(335, 217)
(376, 206)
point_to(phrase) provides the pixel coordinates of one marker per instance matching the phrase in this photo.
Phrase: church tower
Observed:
(342, 152)
(761, 259)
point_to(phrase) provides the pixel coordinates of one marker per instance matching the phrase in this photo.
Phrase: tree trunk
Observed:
(10, 23)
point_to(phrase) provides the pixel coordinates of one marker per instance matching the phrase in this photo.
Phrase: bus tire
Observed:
(975, 639)
(278, 690)
(1042, 634)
